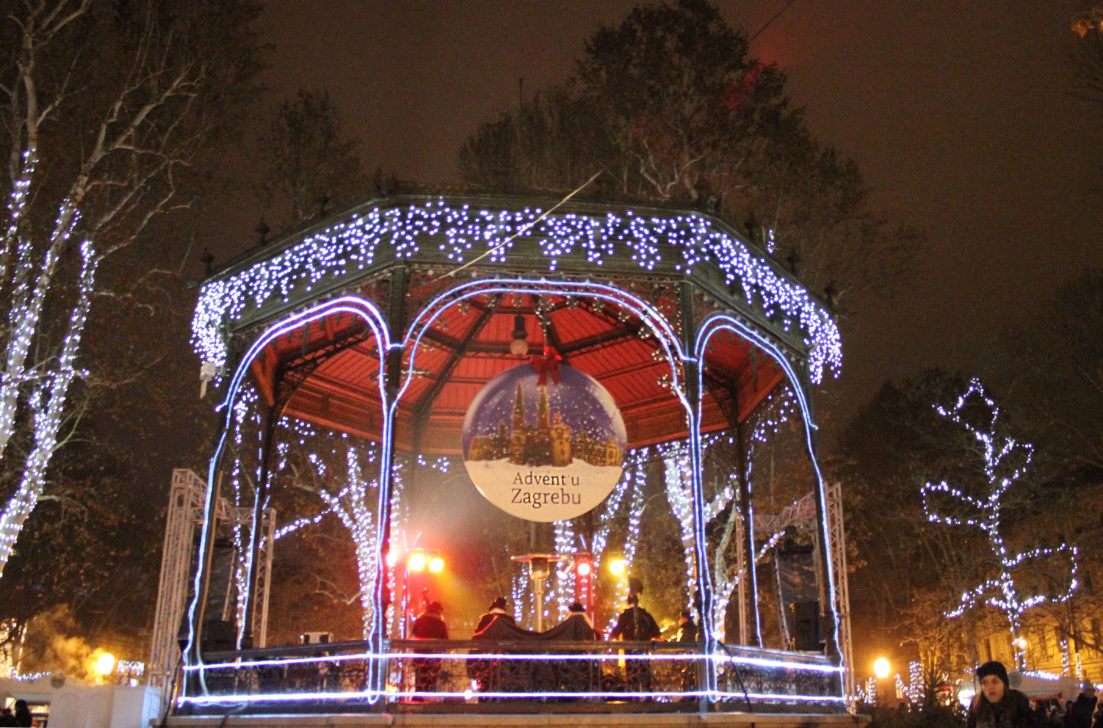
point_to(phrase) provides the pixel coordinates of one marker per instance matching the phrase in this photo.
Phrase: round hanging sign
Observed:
(543, 441)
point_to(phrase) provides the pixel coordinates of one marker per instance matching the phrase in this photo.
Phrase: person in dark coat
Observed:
(22, 714)
(1097, 719)
(1080, 713)
(687, 632)
(687, 628)
(428, 626)
(497, 608)
(636, 624)
(486, 673)
(997, 705)
(577, 626)
(576, 676)
(494, 675)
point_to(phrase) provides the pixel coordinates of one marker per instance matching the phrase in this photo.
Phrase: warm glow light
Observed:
(881, 668)
(616, 567)
(583, 568)
(436, 564)
(105, 663)
(519, 346)
(417, 561)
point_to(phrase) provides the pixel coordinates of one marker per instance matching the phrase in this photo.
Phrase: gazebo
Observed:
(427, 332)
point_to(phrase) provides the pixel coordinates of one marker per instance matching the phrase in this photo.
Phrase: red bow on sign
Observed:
(547, 364)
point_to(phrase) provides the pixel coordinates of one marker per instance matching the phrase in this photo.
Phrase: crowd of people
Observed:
(1084, 712)
(635, 624)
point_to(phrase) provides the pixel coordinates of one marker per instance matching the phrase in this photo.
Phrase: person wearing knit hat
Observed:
(996, 705)
(994, 668)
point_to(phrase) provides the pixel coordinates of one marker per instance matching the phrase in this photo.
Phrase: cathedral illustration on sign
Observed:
(549, 442)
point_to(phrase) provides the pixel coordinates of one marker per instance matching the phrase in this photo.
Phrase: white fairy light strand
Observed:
(686, 241)
(47, 401)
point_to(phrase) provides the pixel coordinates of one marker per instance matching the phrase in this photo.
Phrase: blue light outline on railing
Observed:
(374, 695)
(513, 656)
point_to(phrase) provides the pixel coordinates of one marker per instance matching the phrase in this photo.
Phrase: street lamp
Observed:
(104, 664)
(881, 668)
(617, 567)
(1020, 653)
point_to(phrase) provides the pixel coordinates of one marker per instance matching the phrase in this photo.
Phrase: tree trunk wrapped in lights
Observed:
(107, 109)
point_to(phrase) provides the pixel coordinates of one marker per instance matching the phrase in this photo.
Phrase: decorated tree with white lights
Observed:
(351, 494)
(338, 475)
(1012, 588)
(108, 108)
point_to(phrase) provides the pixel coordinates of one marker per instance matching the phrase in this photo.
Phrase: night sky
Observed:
(959, 115)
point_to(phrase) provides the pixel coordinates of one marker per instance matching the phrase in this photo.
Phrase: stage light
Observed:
(616, 567)
(416, 562)
(436, 564)
(584, 579)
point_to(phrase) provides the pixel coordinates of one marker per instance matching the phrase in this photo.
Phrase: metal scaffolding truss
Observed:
(185, 514)
(842, 590)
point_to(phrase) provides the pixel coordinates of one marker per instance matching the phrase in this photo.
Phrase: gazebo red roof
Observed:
(468, 345)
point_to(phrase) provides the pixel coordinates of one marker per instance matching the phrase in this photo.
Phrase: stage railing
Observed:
(490, 676)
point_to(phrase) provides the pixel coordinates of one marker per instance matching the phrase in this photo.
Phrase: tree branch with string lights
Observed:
(1011, 589)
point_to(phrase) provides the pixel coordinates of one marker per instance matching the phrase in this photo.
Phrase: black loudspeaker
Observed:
(218, 635)
(806, 626)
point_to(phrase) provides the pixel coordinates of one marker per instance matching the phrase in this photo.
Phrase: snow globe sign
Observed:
(543, 441)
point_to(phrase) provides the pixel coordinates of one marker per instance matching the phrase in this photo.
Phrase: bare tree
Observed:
(308, 164)
(107, 108)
